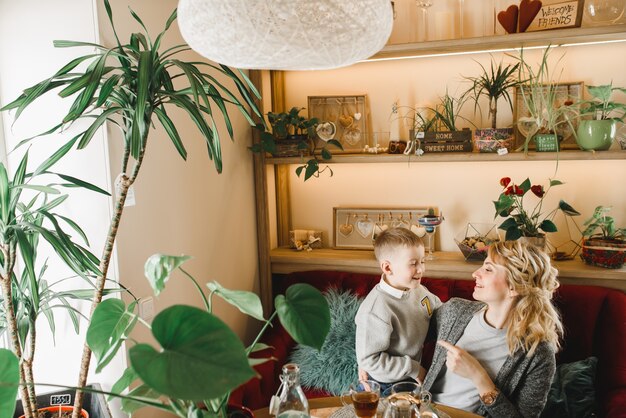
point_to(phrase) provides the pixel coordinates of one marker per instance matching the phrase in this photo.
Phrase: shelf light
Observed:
(489, 51)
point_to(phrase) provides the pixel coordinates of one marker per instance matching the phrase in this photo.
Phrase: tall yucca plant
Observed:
(26, 295)
(127, 86)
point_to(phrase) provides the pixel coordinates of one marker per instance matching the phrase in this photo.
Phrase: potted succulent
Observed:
(549, 119)
(604, 245)
(521, 222)
(493, 84)
(130, 86)
(598, 125)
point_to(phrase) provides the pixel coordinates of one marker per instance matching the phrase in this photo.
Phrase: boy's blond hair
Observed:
(393, 238)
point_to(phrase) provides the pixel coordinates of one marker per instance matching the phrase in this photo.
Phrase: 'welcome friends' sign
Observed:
(557, 15)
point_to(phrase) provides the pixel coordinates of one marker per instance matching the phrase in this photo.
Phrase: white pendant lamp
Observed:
(286, 34)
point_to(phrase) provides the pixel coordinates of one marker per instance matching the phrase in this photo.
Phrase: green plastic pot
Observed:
(596, 135)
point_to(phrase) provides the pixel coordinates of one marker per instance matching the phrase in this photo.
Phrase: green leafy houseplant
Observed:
(539, 92)
(130, 86)
(604, 244)
(597, 128)
(27, 215)
(494, 84)
(601, 226)
(195, 345)
(521, 222)
(301, 134)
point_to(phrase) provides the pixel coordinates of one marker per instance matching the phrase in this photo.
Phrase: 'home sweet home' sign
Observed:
(563, 14)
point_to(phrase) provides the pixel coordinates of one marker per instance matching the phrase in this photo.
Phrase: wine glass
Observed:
(430, 222)
(424, 5)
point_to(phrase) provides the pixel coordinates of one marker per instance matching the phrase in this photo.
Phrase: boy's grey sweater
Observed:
(524, 382)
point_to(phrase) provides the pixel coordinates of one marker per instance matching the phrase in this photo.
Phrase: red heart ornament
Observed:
(508, 18)
(528, 9)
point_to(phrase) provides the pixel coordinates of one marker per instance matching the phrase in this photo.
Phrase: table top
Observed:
(318, 403)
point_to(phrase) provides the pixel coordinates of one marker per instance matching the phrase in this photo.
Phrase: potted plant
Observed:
(520, 222)
(549, 119)
(196, 344)
(292, 132)
(293, 135)
(494, 85)
(598, 125)
(604, 244)
(27, 295)
(130, 85)
(441, 132)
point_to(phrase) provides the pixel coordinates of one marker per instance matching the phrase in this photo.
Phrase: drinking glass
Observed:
(604, 12)
(424, 5)
(364, 396)
(430, 222)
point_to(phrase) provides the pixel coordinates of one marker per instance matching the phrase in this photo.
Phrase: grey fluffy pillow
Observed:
(334, 367)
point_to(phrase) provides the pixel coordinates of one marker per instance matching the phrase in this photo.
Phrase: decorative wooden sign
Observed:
(557, 15)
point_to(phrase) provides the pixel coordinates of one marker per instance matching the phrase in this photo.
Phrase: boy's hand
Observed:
(363, 374)
(421, 375)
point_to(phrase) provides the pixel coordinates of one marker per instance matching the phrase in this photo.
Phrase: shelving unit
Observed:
(569, 36)
(449, 265)
(282, 260)
(460, 157)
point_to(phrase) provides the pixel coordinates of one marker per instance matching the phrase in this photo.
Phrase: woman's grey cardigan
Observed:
(523, 381)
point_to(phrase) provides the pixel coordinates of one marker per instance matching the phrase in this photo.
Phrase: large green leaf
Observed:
(159, 267)
(247, 302)
(127, 378)
(4, 194)
(110, 322)
(9, 382)
(201, 357)
(140, 392)
(304, 313)
(548, 226)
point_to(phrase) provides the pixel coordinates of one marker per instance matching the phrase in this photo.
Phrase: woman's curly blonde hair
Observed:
(533, 317)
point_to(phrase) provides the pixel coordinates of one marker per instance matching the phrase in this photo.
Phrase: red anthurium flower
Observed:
(519, 191)
(509, 190)
(537, 190)
(504, 181)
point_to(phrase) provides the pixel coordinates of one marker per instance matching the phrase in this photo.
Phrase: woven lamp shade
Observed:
(286, 34)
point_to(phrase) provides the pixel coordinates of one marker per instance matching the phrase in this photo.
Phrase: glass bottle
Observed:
(291, 400)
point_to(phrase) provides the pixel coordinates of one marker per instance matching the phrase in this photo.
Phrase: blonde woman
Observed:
(496, 356)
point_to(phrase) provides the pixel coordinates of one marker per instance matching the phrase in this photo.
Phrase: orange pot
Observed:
(66, 408)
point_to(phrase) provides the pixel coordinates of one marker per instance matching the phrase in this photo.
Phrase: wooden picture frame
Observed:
(351, 230)
(572, 91)
(349, 114)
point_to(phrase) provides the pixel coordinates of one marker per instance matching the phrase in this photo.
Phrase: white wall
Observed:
(463, 191)
(27, 56)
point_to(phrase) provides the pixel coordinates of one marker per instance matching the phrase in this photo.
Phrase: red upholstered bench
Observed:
(594, 319)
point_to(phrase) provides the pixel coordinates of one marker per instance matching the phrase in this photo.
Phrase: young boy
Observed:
(392, 322)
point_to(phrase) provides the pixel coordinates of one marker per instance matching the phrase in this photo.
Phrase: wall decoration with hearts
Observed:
(356, 228)
(535, 15)
(346, 117)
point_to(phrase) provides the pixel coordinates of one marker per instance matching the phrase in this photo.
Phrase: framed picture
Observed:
(357, 228)
(344, 118)
(566, 93)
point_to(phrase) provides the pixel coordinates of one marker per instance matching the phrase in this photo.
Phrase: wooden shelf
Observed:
(504, 42)
(449, 265)
(460, 157)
